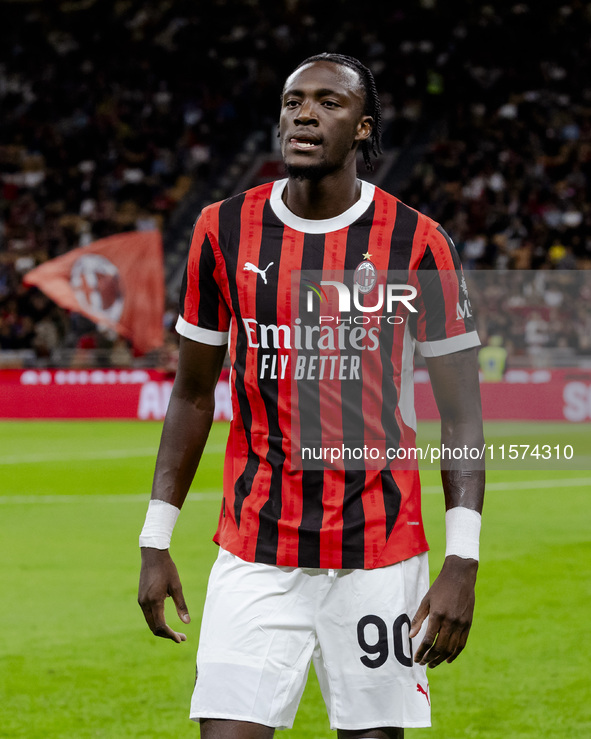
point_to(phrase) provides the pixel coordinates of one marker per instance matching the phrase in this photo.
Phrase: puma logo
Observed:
(421, 689)
(250, 267)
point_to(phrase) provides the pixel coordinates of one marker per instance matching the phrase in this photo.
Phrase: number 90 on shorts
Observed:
(378, 651)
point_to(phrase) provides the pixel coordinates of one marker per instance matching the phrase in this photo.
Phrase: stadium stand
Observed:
(131, 115)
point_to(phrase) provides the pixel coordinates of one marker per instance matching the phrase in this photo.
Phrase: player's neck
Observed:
(325, 198)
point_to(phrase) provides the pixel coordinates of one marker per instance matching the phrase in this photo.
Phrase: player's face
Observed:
(322, 120)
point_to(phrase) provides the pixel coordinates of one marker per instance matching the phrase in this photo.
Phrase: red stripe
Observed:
(236, 447)
(251, 228)
(380, 239)
(419, 246)
(292, 248)
(449, 282)
(419, 241)
(382, 227)
(191, 305)
(235, 459)
(446, 274)
(206, 227)
(220, 274)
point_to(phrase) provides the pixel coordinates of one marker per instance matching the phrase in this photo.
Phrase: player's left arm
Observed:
(449, 603)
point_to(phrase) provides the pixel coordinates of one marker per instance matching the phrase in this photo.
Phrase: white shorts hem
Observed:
(386, 723)
(237, 717)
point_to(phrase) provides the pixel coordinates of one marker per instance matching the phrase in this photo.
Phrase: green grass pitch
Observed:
(77, 660)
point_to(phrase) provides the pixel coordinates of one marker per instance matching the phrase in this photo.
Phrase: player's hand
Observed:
(449, 603)
(158, 580)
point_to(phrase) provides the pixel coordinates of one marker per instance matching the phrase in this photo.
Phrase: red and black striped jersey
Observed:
(253, 272)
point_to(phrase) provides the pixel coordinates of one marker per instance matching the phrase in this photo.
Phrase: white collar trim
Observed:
(321, 226)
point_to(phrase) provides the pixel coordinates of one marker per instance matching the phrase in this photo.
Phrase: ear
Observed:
(364, 128)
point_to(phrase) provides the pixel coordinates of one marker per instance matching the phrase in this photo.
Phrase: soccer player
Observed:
(322, 562)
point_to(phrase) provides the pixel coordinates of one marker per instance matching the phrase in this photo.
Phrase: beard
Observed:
(311, 172)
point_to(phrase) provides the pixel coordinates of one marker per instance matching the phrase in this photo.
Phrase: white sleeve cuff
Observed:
(448, 346)
(203, 335)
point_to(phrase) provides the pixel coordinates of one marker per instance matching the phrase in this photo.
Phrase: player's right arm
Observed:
(186, 427)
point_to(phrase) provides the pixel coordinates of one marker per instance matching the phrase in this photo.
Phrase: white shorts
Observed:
(262, 625)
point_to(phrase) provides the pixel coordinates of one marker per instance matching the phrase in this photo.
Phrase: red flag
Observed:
(117, 282)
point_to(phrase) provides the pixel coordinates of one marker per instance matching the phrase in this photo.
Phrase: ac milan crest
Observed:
(365, 276)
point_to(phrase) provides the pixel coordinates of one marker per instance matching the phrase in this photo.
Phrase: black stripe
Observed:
(310, 424)
(453, 251)
(229, 215)
(432, 297)
(353, 520)
(390, 490)
(352, 410)
(403, 234)
(392, 499)
(398, 271)
(309, 528)
(209, 294)
(469, 323)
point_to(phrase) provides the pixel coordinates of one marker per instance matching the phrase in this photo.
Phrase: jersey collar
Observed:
(321, 226)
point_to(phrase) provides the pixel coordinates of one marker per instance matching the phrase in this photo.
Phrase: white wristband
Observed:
(160, 520)
(462, 532)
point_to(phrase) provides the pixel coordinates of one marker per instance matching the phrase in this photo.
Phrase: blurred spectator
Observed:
(493, 359)
(101, 137)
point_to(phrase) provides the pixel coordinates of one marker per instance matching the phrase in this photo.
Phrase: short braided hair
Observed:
(373, 108)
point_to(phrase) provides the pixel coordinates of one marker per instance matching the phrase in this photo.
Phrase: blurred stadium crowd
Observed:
(113, 112)
(540, 318)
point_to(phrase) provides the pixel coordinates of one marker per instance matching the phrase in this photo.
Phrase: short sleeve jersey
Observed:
(239, 289)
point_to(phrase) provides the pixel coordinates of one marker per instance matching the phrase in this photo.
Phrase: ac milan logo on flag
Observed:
(365, 276)
(117, 282)
(96, 283)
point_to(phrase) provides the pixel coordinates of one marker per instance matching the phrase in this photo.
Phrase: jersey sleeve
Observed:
(444, 323)
(203, 313)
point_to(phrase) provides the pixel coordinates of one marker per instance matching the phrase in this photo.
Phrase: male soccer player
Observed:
(319, 562)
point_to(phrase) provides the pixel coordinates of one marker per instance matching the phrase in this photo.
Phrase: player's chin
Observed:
(306, 170)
